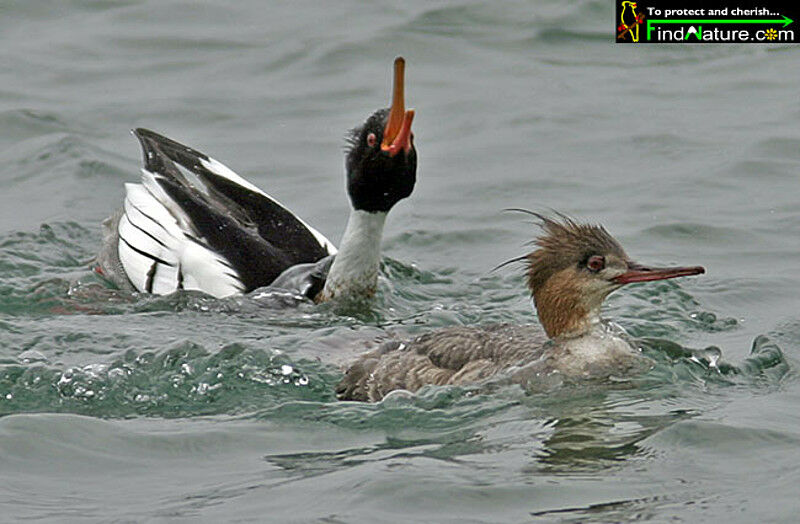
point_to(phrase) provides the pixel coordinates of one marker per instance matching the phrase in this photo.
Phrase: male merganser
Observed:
(574, 268)
(194, 224)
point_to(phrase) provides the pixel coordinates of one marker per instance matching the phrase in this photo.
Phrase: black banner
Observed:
(720, 22)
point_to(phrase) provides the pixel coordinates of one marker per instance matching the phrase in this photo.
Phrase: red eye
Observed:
(371, 140)
(596, 263)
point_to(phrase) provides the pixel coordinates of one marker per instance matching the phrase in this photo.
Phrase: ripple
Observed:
(779, 147)
(182, 381)
(28, 123)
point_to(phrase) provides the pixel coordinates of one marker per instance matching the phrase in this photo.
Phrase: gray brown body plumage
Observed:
(451, 356)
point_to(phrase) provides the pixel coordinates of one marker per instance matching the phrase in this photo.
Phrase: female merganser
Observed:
(572, 271)
(194, 224)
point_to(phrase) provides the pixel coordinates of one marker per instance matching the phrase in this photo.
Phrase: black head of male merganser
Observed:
(194, 224)
(570, 273)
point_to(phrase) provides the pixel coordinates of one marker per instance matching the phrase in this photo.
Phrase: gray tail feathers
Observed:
(359, 383)
(355, 384)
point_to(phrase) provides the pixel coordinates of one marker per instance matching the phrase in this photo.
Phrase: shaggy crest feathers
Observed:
(564, 243)
(358, 135)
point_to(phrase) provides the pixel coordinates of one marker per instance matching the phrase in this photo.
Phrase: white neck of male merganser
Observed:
(354, 271)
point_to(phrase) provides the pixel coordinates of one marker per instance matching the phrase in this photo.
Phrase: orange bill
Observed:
(397, 134)
(638, 273)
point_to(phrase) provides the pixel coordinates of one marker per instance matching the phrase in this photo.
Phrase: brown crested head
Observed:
(575, 266)
(565, 243)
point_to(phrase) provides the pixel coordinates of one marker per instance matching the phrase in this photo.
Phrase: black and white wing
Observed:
(193, 223)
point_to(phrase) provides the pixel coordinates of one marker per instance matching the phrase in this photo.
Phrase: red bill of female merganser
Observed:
(570, 273)
(194, 224)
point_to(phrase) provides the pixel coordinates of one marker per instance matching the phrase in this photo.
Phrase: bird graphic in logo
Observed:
(630, 21)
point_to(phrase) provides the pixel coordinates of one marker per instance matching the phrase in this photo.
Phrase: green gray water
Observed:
(132, 408)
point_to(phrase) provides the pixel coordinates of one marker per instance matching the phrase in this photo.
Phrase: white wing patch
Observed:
(157, 251)
(160, 248)
(218, 168)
